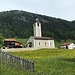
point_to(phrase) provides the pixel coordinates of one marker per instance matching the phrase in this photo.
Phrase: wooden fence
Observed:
(14, 61)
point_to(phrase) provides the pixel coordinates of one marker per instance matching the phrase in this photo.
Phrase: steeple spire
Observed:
(37, 20)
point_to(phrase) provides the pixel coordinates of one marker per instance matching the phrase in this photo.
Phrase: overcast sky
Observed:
(64, 9)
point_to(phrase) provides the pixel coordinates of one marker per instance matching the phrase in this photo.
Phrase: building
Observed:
(37, 41)
(12, 43)
(68, 45)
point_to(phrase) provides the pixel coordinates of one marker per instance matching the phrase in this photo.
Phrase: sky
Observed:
(64, 9)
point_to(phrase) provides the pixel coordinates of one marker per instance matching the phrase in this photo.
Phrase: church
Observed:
(37, 41)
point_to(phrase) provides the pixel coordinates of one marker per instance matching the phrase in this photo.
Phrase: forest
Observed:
(18, 23)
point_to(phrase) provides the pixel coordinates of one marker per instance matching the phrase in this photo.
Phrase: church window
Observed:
(50, 44)
(38, 24)
(39, 43)
(45, 43)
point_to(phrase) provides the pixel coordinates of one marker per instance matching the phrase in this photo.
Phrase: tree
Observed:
(1, 39)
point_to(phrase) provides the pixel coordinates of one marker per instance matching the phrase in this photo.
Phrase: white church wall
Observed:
(51, 43)
(41, 43)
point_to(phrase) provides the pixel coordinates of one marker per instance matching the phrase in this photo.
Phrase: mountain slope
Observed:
(17, 23)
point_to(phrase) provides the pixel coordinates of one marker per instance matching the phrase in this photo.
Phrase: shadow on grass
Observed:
(69, 59)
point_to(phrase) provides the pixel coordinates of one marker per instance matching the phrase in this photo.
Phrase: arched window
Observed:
(30, 44)
(38, 24)
(39, 43)
(50, 44)
(45, 43)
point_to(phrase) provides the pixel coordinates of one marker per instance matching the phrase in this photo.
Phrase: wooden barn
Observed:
(12, 43)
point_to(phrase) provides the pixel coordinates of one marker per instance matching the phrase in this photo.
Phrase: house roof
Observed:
(18, 42)
(42, 38)
(9, 39)
(65, 44)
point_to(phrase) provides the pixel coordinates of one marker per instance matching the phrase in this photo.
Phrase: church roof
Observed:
(42, 38)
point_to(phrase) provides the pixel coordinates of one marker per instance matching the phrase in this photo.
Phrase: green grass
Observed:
(47, 62)
(7, 70)
(51, 61)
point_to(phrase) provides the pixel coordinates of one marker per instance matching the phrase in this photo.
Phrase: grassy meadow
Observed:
(49, 61)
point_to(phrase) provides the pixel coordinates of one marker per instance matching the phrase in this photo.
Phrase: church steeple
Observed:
(37, 28)
(37, 20)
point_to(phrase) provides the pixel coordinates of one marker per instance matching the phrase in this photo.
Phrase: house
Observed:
(12, 43)
(18, 44)
(68, 45)
(37, 41)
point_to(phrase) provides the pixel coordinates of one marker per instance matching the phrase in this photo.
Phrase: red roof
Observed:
(65, 44)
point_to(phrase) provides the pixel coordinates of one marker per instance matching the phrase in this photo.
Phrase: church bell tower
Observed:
(37, 28)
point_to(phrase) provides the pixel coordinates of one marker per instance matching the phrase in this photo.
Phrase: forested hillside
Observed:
(17, 23)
